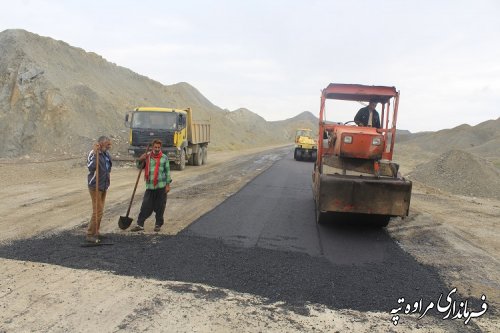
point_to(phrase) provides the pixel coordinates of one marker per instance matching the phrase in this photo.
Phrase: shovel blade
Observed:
(124, 222)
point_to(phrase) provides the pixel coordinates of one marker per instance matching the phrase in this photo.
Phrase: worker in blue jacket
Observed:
(368, 116)
(98, 196)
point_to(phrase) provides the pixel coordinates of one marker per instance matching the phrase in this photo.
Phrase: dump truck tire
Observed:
(197, 158)
(182, 164)
(204, 155)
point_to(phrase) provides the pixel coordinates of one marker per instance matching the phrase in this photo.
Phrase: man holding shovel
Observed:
(157, 176)
(98, 180)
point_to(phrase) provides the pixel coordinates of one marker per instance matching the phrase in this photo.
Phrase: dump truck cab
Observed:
(305, 145)
(354, 171)
(168, 125)
(183, 140)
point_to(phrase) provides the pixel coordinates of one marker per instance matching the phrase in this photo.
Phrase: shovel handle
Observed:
(97, 199)
(135, 187)
(133, 193)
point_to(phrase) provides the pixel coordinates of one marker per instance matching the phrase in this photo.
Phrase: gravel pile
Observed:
(294, 278)
(462, 173)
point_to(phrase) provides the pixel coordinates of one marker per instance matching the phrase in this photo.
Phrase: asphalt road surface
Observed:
(276, 211)
(262, 240)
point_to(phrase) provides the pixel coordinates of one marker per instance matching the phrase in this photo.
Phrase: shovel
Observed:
(124, 221)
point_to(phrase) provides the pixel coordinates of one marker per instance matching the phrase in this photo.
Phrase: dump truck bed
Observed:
(199, 133)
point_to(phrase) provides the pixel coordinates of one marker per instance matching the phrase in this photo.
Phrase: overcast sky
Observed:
(274, 57)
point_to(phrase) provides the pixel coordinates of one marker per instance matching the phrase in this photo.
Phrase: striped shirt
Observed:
(163, 173)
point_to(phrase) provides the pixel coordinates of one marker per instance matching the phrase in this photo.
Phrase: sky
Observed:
(274, 57)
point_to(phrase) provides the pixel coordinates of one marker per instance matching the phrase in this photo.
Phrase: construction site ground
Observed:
(457, 236)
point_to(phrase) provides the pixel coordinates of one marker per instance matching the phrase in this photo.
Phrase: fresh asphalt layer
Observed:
(262, 240)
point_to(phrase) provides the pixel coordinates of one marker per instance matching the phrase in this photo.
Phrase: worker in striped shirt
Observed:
(157, 177)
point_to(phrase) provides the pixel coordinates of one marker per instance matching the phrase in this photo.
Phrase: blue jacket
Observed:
(105, 165)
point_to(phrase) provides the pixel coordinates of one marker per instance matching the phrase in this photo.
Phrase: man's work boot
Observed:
(137, 228)
(92, 239)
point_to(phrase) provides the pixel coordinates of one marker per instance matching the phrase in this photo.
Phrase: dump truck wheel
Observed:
(314, 156)
(197, 158)
(204, 155)
(182, 165)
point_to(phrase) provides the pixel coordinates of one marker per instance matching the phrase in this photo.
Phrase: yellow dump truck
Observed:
(305, 145)
(183, 139)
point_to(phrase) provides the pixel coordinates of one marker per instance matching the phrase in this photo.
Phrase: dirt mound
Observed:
(460, 172)
(56, 99)
(463, 137)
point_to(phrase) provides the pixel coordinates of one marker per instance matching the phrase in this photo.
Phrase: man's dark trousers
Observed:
(153, 201)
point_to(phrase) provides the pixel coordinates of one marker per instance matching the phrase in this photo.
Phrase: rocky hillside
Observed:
(304, 120)
(56, 99)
